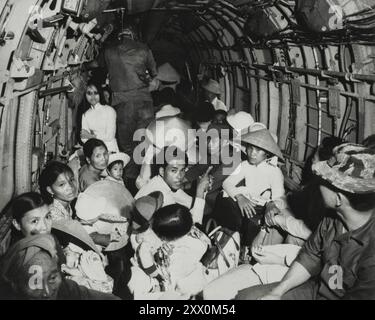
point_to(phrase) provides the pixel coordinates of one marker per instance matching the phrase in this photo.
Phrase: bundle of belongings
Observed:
(172, 254)
(105, 208)
(84, 262)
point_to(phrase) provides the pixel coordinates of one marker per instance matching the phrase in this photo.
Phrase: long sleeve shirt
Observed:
(263, 183)
(128, 63)
(101, 121)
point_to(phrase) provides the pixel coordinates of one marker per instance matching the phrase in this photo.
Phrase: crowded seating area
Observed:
(164, 199)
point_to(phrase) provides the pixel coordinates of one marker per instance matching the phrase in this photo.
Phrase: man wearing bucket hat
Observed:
(264, 185)
(337, 262)
(211, 93)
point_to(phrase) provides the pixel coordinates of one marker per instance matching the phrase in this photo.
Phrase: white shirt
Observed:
(101, 120)
(219, 105)
(263, 183)
(169, 197)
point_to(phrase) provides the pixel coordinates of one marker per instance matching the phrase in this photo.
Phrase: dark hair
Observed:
(361, 202)
(99, 89)
(205, 112)
(166, 155)
(166, 96)
(172, 222)
(110, 166)
(358, 201)
(49, 175)
(325, 152)
(221, 112)
(369, 142)
(90, 145)
(25, 203)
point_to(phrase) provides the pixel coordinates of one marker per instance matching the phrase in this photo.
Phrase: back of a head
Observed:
(324, 152)
(205, 112)
(172, 222)
(167, 96)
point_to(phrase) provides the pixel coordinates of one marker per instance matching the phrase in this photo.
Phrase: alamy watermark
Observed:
(202, 147)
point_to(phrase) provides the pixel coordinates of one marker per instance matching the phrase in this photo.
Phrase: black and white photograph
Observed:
(185, 155)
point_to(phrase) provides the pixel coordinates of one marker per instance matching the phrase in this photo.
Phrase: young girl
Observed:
(264, 187)
(116, 164)
(31, 216)
(58, 187)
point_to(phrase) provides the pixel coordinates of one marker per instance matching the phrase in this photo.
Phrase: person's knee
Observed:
(256, 292)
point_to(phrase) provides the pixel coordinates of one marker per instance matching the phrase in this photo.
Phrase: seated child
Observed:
(169, 253)
(264, 187)
(116, 164)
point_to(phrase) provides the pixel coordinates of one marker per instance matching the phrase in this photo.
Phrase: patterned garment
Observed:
(351, 168)
(58, 212)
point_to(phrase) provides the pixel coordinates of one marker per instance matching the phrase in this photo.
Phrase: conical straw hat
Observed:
(263, 139)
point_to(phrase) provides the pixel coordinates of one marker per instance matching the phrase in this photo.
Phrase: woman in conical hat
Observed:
(264, 186)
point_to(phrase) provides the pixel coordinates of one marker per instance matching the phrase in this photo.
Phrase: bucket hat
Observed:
(351, 169)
